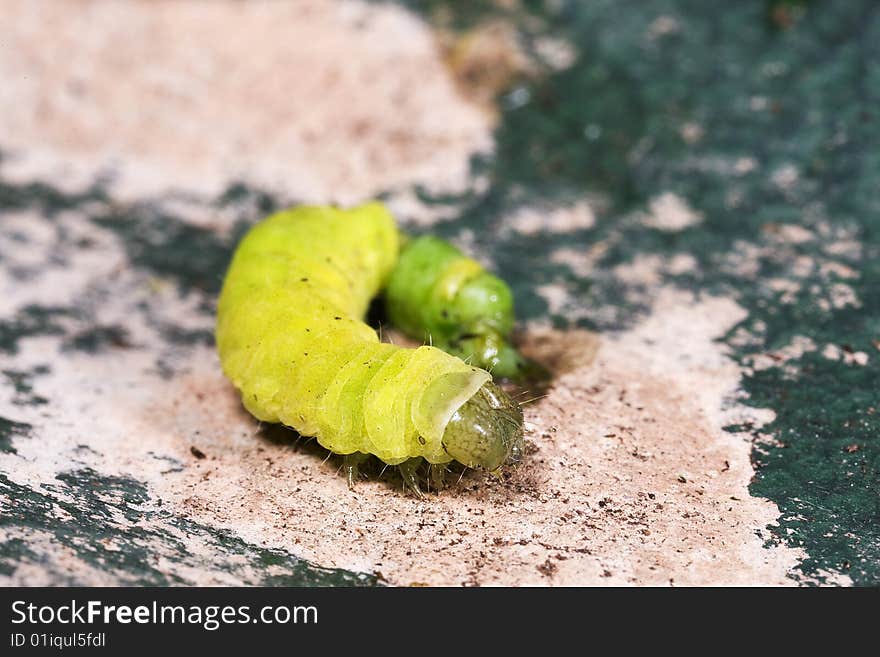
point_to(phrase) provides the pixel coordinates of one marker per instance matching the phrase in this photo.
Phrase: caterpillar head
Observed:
(492, 352)
(487, 431)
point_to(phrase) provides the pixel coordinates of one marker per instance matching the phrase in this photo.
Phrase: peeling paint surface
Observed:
(697, 269)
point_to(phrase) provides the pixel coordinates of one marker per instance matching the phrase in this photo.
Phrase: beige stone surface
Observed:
(314, 98)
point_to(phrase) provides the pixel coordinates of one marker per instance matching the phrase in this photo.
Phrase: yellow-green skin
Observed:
(291, 338)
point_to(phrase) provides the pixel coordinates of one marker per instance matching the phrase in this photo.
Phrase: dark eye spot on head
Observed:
(337, 318)
(422, 441)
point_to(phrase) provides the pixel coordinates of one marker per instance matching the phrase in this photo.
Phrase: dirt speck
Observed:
(548, 568)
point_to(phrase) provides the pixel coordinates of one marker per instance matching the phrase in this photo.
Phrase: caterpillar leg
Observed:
(437, 476)
(409, 472)
(351, 462)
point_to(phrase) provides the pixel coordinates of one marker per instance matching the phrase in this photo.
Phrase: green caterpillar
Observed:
(290, 336)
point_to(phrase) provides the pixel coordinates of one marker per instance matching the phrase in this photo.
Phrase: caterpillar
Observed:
(291, 337)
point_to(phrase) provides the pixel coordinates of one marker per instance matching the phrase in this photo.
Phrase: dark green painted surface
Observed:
(102, 527)
(611, 124)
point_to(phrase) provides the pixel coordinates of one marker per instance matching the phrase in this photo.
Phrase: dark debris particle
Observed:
(195, 451)
(547, 568)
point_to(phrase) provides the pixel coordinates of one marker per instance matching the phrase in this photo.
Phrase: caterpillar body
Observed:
(291, 338)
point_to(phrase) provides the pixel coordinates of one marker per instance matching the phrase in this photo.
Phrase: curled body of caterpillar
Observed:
(439, 293)
(290, 336)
